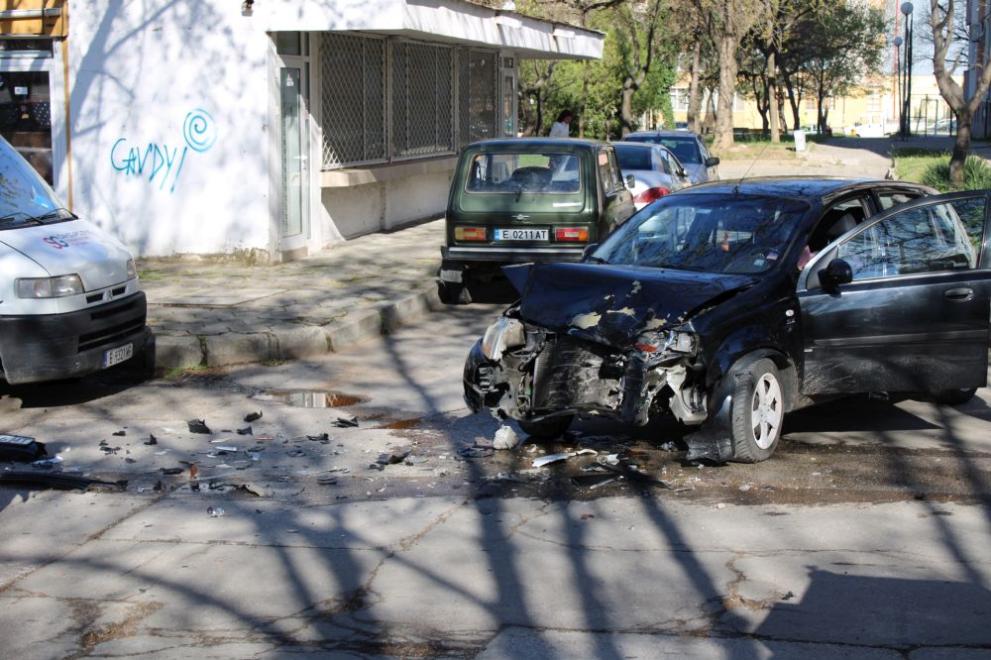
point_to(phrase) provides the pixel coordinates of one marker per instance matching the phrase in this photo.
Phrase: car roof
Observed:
(541, 142)
(673, 134)
(639, 145)
(809, 188)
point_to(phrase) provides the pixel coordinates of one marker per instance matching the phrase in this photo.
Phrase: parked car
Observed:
(730, 304)
(688, 148)
(520, 200)
(70, 303)
(655, 170)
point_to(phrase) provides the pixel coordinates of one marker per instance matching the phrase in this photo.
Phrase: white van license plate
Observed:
(118, 355)
(521, 234)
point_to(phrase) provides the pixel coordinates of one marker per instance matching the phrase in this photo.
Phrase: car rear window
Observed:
(686, 149)
(633, 158)
(514, 173)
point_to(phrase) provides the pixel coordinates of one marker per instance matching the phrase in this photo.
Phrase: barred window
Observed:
(353, 86)
(422, 99)
(478, 96)
(389, 98)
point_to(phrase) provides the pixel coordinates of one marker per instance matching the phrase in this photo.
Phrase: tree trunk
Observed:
(796, 115)
(772, 97)
(727, 87)
(626, 110)
(694, 91)
(961, 147)
(710, 113)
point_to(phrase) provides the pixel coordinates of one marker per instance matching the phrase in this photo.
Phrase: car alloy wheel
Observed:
(766, 411)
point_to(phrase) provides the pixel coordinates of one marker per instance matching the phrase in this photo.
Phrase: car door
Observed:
(915, 313)
(617, 199)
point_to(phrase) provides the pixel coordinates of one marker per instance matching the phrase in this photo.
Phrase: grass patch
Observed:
(764, 150)
(933, 169)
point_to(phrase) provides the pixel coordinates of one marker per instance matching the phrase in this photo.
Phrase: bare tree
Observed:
(942, 19)
(732, 20)
(638, 46)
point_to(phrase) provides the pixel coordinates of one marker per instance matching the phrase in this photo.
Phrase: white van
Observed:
(70, 303)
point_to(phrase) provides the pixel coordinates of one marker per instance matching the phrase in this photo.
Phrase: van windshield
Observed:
(532, 172)
(25, 198)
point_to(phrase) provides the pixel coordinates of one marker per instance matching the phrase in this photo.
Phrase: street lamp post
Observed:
(906, 118)
(897, 42)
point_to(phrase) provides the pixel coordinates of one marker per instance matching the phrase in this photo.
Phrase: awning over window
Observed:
(452, 21)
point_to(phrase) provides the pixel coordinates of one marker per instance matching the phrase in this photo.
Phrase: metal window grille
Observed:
(353, 85)
(422, 99)
(479, 109)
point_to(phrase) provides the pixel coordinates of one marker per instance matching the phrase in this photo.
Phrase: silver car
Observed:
(655, 171)
(688, 147)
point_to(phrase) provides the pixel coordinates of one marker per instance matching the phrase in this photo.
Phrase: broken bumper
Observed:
(57, 346)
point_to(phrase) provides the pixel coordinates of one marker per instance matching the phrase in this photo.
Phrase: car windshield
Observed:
(633, 157)
(712, 233)
(25, 198)
(518, 172)
(686, 148)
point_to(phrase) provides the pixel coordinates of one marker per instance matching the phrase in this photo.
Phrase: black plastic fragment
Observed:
(59, 480)
(346, 422)
(20, 448)
(120, 434)
(253, 417)
(198, 426)
(152, 440)
(245, 431)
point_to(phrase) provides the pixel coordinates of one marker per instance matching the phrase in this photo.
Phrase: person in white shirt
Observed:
(562, 127)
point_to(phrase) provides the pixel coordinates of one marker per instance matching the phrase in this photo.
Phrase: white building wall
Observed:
(169, 114)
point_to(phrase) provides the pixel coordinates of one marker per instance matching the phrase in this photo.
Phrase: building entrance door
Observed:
(295, 152)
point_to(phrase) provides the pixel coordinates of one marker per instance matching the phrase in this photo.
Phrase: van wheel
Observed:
(547, 429)
(758, 411)
(452, 293)
(954, 397)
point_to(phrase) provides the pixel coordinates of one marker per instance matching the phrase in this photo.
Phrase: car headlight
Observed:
(49, 287)
(132, 270)
(670, 341)
(504, 333)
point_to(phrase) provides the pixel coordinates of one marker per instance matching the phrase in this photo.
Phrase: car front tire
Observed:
(758, 411)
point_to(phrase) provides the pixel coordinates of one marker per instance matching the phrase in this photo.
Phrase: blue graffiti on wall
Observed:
(161, 163)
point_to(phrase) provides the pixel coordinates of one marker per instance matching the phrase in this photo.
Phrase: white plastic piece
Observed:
(505, 438)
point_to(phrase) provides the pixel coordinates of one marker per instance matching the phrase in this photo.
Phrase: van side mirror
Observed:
(589, 249)
(711, 161)
(837, 272)
(631, 182)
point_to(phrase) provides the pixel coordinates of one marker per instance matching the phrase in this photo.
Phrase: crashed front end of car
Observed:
(597, 340)
(530, 373)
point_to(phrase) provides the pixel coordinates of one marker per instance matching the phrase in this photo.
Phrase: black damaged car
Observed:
(728, 305)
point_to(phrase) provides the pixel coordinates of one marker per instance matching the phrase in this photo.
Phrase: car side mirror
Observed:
(589, 249)
(837, 272)
(711, 161)
(631, 182)
(683, 173)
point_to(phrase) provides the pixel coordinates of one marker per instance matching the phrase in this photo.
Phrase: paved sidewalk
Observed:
(215, 314)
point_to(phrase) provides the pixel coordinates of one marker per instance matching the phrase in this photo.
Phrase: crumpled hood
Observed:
(74, 247)
(615, 304)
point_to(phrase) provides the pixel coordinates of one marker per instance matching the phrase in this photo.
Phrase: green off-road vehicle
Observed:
(527, 200)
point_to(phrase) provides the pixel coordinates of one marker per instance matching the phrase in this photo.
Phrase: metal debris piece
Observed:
(198, 426)
(231, 449)
(253, 417)
(120, 434)
(321, 438)
(327, 480)
(172, 470)
(215, 511)
(47, 463)
(59, 480)
(505, 438)
(552, 458)
(20, 448)
(346, 422)
(108, 450)
(394, 457)
(245, 431)
(152, 440)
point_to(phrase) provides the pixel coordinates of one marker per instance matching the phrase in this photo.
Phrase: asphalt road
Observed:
(867, 534)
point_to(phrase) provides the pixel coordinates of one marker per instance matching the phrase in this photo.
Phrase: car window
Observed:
(608, 171)
(892, 198)
(534, 172)
(687, 149)
(633, 158)
(930, 238)
(717, 233)
(664, 164)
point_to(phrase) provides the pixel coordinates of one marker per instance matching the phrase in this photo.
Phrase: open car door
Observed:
(901, 303)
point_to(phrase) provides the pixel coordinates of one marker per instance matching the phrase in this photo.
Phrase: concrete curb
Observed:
(190, 351)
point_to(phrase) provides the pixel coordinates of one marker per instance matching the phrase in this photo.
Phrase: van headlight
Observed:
(504, 333)
(132, 270)
(49, 287)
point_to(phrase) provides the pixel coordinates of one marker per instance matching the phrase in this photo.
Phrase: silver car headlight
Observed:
(670, 341)
(132, 270)
(504, 333)
(49, 287)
